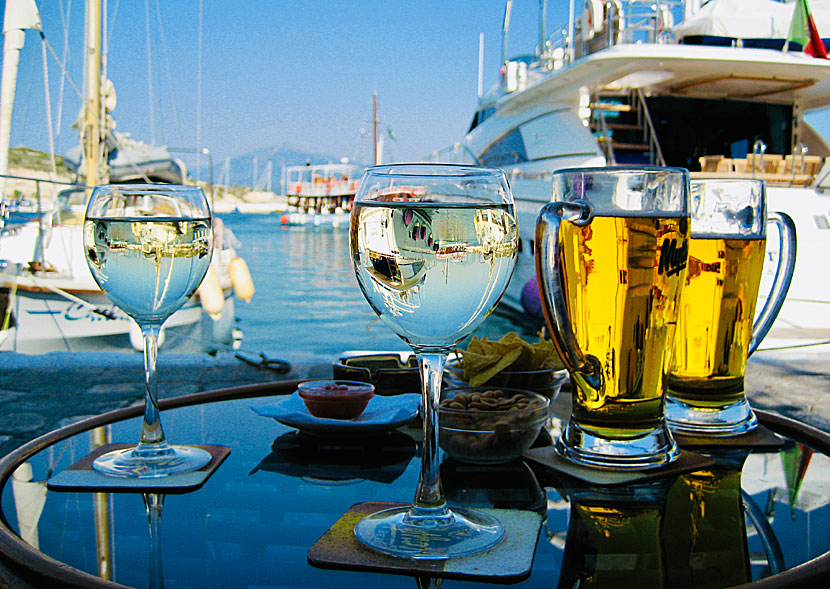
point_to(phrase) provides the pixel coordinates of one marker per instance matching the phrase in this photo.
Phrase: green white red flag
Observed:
(804, 32)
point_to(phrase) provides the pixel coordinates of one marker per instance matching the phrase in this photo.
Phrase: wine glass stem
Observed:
(152, 434)
(430, 495)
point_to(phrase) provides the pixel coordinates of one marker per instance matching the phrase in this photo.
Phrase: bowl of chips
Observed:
(489, 425)
(510, 362)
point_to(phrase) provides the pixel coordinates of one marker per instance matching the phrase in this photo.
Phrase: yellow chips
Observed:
(483, 359)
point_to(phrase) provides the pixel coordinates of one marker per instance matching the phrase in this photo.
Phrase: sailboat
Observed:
(48, 298)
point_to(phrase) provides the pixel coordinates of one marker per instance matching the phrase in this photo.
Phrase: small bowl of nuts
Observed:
(336, 399)
(489, 425)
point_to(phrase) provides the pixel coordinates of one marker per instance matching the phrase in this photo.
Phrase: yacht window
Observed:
(507, 151)
(480, 116)
(688, 128)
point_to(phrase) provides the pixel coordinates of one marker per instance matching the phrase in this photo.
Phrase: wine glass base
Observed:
(423, 534)
(131, 462)
(651, 450)
(725, 420)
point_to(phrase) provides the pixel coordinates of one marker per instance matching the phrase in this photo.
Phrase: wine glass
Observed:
(433, 248)
(148, 247)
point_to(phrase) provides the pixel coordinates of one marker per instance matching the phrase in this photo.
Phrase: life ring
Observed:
(592, 18)
(243, 284)
(210, 294)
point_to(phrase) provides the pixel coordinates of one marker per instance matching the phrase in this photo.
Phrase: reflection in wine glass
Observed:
(433, 248)
(148, 247)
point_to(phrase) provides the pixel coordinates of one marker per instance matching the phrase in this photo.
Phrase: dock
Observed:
(39, 393)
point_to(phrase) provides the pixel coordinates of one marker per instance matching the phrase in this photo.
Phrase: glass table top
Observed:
(750, 515)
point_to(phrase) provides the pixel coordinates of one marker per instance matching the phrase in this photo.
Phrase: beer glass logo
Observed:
(673, 257)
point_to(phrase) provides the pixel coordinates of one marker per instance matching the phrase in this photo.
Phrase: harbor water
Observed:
(308, 307)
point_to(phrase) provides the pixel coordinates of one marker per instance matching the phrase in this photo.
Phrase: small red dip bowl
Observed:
(336, 399)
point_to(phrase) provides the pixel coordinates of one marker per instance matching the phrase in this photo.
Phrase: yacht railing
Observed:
(20, 196)
(14, 209)
(458, 153)
(605, 23)
(654, 144)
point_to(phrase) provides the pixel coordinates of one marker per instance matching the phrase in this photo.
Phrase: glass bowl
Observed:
(335, 399)
(545, 382)
(488, 425)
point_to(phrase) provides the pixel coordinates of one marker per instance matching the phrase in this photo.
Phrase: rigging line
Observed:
(111, 24)
(54, 170)
(65, 21)
(63, 69)
(120, 146)
(150, 74)
(199, 92)
(166, 57)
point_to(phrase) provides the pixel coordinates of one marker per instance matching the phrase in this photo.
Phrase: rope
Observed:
(795, 346)
(108, 313)
(266, 363)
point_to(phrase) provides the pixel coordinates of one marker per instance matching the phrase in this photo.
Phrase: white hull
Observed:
(55, 310)
(48, 322)
(315, 219)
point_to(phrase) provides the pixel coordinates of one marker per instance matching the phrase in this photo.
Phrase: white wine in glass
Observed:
(148, 247)
(433, 249)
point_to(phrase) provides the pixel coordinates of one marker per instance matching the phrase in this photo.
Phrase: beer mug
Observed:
(716, 328)
(611, 255)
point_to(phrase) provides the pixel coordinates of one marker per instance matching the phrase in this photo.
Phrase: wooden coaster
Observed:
(609, 477)
(507, 562)
(81, 477)
(760, 438)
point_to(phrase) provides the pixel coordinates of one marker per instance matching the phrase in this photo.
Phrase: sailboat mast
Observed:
(19, 16)
(92, 124)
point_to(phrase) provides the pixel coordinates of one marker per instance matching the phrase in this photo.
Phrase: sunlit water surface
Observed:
(308, 307)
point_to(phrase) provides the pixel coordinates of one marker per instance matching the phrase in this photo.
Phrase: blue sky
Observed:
(299, 73)
(276, 72)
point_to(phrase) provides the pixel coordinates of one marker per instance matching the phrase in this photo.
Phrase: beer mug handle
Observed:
(548, 260)
(781, 282)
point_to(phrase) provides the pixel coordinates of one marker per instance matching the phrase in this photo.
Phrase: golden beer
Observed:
(622, 278)
(717, 309)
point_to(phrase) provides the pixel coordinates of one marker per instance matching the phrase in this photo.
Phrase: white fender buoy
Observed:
(210, 294)
(137, 338)
(243, 284)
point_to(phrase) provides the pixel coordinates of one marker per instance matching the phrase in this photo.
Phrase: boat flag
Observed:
(804, 32)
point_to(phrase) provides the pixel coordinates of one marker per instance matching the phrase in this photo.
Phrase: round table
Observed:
(752, 516)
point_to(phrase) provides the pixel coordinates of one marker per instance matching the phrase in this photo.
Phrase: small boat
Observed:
(716, 88)
(320, 195)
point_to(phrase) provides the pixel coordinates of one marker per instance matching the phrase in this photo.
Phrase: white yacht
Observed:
(713, 87)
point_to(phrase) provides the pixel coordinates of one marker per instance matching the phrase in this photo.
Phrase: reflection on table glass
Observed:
(251, 525)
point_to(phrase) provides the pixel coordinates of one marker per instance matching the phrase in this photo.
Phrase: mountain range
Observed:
(251, 169)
